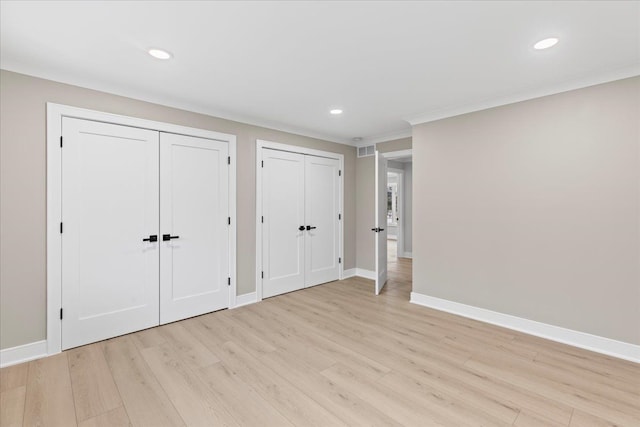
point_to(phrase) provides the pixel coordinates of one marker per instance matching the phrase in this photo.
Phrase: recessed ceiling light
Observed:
(336, 111)
(357, 139)
(546, 43)
(159, 53)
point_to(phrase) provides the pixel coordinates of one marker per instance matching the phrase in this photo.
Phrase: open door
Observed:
(381, 222)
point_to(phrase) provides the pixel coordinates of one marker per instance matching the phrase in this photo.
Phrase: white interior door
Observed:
(194, 240)
(322, 247)
(381, 222)
(283, 222)
(109, 207)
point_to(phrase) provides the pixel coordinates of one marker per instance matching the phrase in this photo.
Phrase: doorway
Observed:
(393, 215)
(395, 209)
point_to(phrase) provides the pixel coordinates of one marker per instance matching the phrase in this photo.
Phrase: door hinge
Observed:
(60, 141)
(339, 172)
(60, 228)
(229, 220)
(339, 260)
(339, 216)
(229, 160)
(262, 275)
(60, 313)
(263, 163)
(229, 281)
(262, 219)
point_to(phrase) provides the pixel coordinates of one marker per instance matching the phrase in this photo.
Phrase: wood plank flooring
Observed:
(332, 355)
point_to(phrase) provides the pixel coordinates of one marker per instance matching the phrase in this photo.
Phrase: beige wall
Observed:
(533, 209)
(365, 201)
(395, 145)
(23, 189)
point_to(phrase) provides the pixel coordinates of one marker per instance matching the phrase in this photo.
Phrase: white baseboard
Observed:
(619, 349)
(407, 255)
(23, 353)
(348, 273)
(367, 274)
(246, 299)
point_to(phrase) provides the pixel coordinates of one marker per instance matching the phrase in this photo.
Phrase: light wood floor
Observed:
(331, 355)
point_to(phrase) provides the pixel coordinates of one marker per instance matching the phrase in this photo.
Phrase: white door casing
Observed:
(322, 248)
(283, 222)
(56, 295)
(324, 268)
(381, 221)
(194, 212)
(110, 200)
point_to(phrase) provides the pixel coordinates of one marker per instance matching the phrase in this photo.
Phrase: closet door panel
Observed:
(283, 212)
(194, 210)
(110, 204)
(321, 212)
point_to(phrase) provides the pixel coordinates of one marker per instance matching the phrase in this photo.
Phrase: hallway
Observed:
(399, 273)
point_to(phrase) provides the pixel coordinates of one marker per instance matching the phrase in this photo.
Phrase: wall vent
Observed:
(369, 150)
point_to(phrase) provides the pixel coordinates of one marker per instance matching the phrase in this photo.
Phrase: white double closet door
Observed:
(300, 221)
(145, 236)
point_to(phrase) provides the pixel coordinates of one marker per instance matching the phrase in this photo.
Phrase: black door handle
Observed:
(301, 228)
(310, 228)
(152, 238)
(166, 237)
(380, 229)
(377, 230)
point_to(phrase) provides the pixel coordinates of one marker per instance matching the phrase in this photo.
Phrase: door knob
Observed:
(152, 238)
(310, 228)
(166, 237)
(301, 228)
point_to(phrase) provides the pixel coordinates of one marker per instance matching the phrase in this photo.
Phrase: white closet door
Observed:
(321, 215)
(194, 210)
(109, 205)
(283, 216)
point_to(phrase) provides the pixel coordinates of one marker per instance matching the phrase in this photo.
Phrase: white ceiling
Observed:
(285, 64)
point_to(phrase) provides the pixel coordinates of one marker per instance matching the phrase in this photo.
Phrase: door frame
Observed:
(55, 113)
(260, 144)
(400, 225)
(389, 155)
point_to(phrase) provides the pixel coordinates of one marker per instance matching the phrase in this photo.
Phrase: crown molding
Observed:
(167, 102)
(413, 120)
(582, 82)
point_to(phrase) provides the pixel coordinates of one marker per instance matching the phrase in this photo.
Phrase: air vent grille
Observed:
(369, 150)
